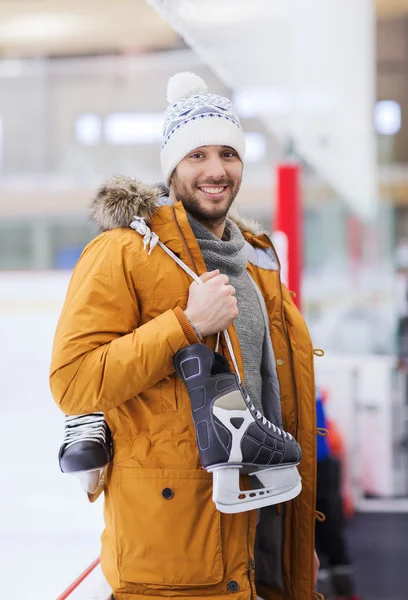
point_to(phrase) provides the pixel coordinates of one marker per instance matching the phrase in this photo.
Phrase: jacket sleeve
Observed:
(101, 356)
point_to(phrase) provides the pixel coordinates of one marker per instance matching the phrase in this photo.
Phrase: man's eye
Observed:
(229, 154)
(196, 155)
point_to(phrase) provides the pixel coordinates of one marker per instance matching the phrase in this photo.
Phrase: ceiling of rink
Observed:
(67, 27)
(74, 27)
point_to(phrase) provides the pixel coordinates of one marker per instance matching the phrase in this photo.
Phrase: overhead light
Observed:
(255, 147)
(133, 128)
(387, 117)
(38, 27)
(88, 130)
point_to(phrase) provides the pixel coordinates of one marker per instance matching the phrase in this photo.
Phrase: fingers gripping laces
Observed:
(265, 421)
(150, 240)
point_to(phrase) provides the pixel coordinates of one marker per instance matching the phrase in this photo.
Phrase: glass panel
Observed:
(16, 249)
(67, 242)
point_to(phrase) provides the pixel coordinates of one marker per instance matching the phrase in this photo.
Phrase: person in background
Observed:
(336, 575)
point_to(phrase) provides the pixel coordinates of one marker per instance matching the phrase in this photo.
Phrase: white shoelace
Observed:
(90, 428)
(151, 240)
(265, 421)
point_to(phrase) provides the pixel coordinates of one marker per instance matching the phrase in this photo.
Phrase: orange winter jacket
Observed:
(121, 324)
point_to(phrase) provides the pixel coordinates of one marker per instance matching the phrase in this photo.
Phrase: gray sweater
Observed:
(229, 257)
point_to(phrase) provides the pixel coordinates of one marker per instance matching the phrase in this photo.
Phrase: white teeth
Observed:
(213, 190)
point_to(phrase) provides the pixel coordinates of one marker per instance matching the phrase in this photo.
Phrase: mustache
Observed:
(219, 182)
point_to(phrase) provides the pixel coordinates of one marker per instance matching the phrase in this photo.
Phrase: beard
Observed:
(200, 208)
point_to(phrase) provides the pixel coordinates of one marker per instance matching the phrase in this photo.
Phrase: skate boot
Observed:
(234, 438)
(86, 449)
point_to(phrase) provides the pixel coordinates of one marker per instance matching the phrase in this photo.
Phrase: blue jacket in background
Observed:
(322, 444)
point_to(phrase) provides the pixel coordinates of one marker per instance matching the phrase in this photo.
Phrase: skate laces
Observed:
(151, 240)
(265, 421)
(85, 428)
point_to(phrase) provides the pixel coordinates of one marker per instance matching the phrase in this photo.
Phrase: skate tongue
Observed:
(220, 364)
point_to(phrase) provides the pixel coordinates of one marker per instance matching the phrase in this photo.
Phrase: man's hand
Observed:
(316, 567)
(211, 307)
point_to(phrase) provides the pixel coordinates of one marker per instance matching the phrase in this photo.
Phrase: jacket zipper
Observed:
(184, 240)
(251, 563)
(251, 575)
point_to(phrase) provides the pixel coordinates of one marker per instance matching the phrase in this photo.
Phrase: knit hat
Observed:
(196, 118)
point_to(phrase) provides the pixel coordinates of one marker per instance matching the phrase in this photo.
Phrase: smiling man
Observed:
(207, 181)
(128, 312)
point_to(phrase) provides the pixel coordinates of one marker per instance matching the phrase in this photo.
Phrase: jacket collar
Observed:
(170, 223)
(122, 198)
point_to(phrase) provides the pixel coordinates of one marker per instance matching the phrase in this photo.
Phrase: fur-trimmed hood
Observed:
(122, 198)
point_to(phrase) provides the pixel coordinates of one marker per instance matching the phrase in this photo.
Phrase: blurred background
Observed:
(322, 90)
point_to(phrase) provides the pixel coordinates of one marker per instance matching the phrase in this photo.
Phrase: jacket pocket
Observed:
(167, 528)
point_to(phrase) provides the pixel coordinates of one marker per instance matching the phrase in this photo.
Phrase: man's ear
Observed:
(171, 187)
(172, 176)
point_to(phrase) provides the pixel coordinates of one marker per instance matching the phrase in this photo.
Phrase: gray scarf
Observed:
(228, 255)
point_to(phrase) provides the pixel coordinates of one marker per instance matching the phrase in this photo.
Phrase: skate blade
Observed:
(90, 481)
(279, 484)
(259, 501)
(250, 469)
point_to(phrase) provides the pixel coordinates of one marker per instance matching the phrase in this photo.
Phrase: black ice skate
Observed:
(86, 449)
(233, 437)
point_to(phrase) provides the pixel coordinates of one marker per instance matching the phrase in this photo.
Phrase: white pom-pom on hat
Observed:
(183, 85)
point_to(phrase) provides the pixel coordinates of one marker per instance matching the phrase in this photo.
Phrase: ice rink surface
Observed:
(49, 532)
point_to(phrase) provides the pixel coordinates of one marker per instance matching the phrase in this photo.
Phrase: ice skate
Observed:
(86, 449)
(234, 438)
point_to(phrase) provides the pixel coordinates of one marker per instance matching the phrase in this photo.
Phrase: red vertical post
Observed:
(288, 220)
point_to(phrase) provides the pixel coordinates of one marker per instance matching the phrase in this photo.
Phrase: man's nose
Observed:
(215, 169)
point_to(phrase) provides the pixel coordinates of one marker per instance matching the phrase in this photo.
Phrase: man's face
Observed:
(207, 181)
